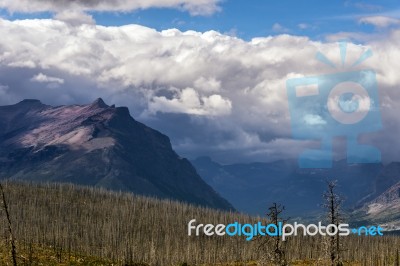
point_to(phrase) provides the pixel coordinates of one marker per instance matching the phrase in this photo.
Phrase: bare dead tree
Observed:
(10, 231)
(274, 246)
(333, 203)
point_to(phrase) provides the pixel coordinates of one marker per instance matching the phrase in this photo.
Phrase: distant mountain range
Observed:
(252, 187)
(96, 145)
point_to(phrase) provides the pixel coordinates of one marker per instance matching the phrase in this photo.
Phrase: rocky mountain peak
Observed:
(29, 104)
(30, 101)
(96, 145)
(99, 103)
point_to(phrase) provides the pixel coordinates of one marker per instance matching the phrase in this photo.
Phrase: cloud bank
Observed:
(211, 93)
(195, 7)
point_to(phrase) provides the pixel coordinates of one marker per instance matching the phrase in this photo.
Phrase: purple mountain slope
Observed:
(96, 145)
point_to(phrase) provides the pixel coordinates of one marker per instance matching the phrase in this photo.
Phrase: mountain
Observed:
(252, 187)
(96, 145)
(383, 209)
(387, 178)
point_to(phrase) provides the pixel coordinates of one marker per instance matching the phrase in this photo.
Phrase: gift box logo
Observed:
(343, 104)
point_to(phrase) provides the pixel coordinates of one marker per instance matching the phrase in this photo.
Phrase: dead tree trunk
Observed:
(277, 252)
(333, 203)
(10, 231)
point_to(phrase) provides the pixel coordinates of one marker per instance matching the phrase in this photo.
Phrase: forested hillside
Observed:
(64, 223)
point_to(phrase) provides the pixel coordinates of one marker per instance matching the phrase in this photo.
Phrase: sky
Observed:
(244, 19)
(210, 74)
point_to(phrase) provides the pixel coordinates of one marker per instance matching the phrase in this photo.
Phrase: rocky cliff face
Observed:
(383, 210)
(96, 145)
(383, 206)
(389, 196)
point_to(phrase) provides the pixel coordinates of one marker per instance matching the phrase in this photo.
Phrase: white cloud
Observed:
(42, 78)
(353, 36)
(279, 28)
(379, 21)
(74, 17)
(189, 101)
(236, 89)
(195, 7)
(209, 85)
(313, 120)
